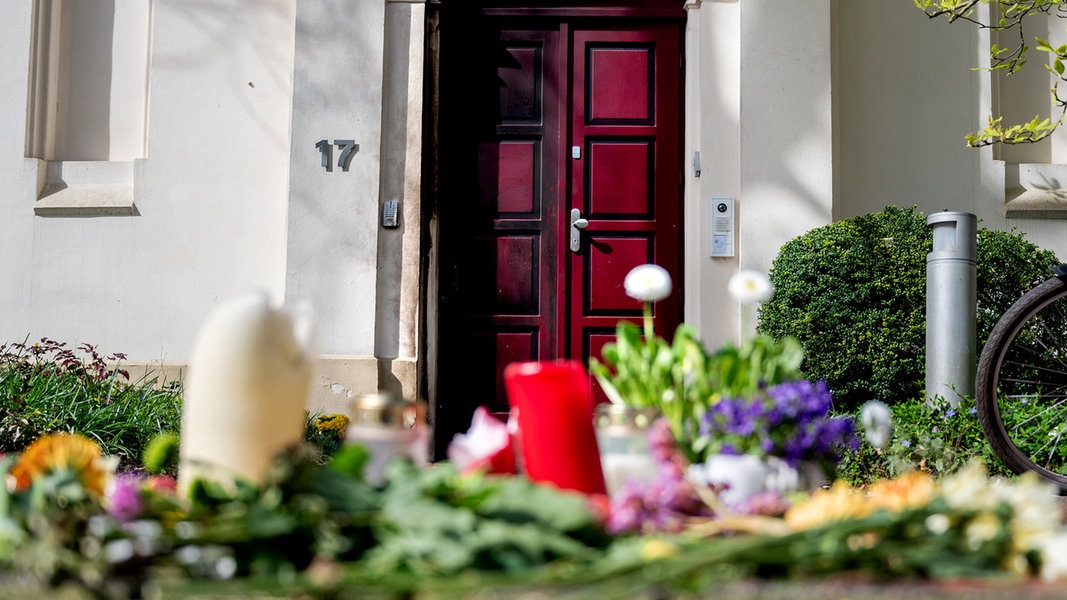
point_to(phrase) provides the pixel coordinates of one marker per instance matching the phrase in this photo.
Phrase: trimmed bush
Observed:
(854, 293)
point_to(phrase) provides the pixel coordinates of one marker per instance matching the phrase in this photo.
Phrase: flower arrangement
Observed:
(962, 525)
(668, 502)
(643, 370)
(790, 420)
(320, 530)
(68, 463)
(741, 399)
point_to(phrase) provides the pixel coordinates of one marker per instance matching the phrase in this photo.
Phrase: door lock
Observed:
(577, 225)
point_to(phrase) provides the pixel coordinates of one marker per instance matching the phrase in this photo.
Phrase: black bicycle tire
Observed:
(988, 373)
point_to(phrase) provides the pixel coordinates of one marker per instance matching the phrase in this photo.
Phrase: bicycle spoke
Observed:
(1044, 412)
(1052, 453)
(1022, 384)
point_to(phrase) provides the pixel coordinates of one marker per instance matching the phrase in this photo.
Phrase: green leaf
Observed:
(350, 460)
(518, 500)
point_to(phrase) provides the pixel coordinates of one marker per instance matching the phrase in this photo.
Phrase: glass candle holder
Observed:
(389, 427)
(622, 436)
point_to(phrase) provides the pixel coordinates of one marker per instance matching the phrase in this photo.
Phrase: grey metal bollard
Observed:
(951, 307)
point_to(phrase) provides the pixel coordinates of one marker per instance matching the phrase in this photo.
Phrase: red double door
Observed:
(560, 171)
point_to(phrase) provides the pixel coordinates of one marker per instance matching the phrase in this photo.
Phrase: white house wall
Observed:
(907, 91)
(337, 95)
(906, 95)
(354, 82)
(759, 112)
(210, 196)
(226, 193)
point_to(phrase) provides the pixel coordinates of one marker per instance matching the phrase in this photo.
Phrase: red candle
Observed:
(554, 410)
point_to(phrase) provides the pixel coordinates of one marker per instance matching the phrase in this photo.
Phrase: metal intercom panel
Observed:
(722, 226)
(390, 218)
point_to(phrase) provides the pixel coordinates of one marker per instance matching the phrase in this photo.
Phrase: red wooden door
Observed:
(540, 117)
(626, 182)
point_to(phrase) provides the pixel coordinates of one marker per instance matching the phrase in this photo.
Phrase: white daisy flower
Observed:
(876, 419)
(647, 283)
(748, 287)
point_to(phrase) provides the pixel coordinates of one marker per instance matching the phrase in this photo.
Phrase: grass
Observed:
(47, 387)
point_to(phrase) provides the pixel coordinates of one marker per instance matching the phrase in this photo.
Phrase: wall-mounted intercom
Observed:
(390, 218)
(722, 226)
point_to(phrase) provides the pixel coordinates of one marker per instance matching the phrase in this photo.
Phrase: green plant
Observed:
(741, 371)
(643, 370)
(47, 387)
(680, 379)
(326, 431)
(161, 454)
(1008, 265)
(854, 294)
(929, 436)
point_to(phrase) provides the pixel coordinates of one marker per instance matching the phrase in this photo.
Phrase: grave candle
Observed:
(245, 393)
(390, 427)
(622, 437)
(554, 410)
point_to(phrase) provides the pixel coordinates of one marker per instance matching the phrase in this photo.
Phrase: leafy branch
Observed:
(1009, 15)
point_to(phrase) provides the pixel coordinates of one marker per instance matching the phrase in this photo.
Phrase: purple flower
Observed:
(766, 503)
(661, 441)
(665, 502)
(124, 500)
(790, 420)
(627, 509)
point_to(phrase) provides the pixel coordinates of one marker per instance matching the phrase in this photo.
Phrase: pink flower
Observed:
(485, 447)
(161, 485)
(124, 500)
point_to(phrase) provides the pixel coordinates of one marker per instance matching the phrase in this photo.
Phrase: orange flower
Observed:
(913, 489)
(839, 503)
(62, 451)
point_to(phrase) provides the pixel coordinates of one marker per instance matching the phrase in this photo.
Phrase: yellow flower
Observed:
(913, 489)
(62, 451)
(839, 503)
(334, 422)
(1036, 510)
(969, 488)
(654, 549)
(1035, 504)
(982, 529)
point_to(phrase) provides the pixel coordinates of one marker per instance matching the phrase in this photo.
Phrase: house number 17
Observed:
(348, 148)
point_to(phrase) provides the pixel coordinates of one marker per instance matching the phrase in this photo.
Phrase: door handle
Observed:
(577, 225)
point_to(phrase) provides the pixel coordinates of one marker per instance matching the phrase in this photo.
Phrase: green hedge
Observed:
(854, 293)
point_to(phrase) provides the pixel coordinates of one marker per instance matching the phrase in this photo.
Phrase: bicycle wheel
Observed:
(1021, 383)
